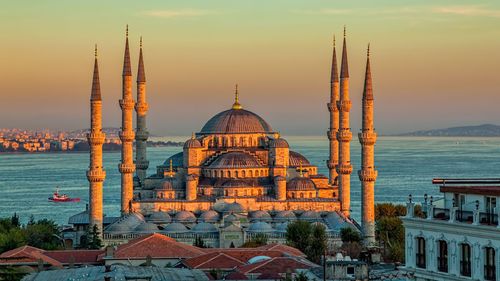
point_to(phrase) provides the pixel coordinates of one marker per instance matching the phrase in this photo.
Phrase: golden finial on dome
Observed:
(95, 51)
(171, 169)
(236, 104)
(192, 136)
(300, 169)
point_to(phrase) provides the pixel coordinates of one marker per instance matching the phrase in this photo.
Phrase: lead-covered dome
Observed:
(235, 159)
(236, 121)
(300, 183)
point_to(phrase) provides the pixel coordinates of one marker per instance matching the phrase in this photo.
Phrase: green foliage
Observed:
(43, 234)
(310, 239)
(348, 234)
(397, 251)
(9, 273)
(389, 210)
(390, 228)
(260, 239)
(297, 235)
(95, 242)
(198, 242)
(301, 277)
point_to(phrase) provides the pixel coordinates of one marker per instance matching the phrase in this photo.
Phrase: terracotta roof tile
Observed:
(282, 248)
(277, 265)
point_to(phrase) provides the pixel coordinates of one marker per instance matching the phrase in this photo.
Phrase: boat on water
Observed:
(58, 197)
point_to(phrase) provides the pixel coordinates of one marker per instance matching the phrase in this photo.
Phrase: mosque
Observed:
(237, 175)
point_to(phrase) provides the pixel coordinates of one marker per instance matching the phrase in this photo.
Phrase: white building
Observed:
(460, 237)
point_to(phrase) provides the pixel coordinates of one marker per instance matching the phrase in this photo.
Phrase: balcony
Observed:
(485, 218)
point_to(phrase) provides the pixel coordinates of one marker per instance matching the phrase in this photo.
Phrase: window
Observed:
(465, 260)
(420, 261)
(443, 256)
(350, 270)
(489, 264)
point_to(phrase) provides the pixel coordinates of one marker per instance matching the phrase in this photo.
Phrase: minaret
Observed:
(95, 174)
(367, 174)
(141, 133)
(344, 136)
(334, 120)
(127, 167)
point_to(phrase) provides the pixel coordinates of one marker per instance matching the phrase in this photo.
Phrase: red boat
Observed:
(57, 197)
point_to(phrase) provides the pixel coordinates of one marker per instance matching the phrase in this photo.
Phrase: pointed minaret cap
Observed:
(335, 72)
(127, 70)
(96, 86)
(141, 75)
(368, 91)
(344, 69)
(236, 104)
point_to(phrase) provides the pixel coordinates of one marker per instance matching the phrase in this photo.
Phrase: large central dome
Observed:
(236, 121)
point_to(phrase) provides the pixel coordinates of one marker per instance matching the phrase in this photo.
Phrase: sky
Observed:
(434, 63)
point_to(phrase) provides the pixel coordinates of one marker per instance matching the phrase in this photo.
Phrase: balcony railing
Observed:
(441, 214)
(466, 216)
(442, 264)
(489, 272)
(465, 268)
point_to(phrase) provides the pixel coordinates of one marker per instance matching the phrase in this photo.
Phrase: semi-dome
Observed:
(231, 218)
(282, 227)
(259, 227)
(175, 227)
(209, 216)
(126, 223)
(235, 159)
(296, 159)
(160, 217)
(204, 227)
(177, 160)
(166, 185)
(300, 183)
(278, 143)
(184, 216)
(236, 121)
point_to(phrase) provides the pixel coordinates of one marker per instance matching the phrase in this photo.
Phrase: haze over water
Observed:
(405, 164)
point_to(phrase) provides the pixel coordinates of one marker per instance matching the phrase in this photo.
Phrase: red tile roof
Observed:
(157, 246)
(236, 276)
(76, 256)
(276, 265)
(28, 254)
(228, 258)
(283, 248)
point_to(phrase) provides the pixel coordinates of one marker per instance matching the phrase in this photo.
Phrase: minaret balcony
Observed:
(344, 136)
(367, 137)
(368, 174)
(332, 164)
(126, 168)
(127, 136)
(142, 165)
(141, 135)
(332, 107)
(141, 108)
(127, 104)
(96, 175)
(96, 138)
(344, 105)
(332, 134)
(344, 169)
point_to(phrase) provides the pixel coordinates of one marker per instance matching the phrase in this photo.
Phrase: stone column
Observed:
(280, 185)
(191, 187)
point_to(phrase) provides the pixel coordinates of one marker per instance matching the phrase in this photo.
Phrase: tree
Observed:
(301, 277)
(348, 234)
(198, 242)
(260, 239)
(317, 243)
(12, 239)
(95, 242)
(14, 220)
(297, 235)
(43, 234)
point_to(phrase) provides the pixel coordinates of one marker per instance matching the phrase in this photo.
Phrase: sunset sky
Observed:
(434, 63)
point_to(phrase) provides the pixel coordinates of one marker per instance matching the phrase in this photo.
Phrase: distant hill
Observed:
(485, 130)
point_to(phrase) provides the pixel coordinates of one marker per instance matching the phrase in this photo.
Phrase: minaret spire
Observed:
(368, 174)
(127, 167)
(344, 135)
(95, 137)
(141, 134)
(334, 120)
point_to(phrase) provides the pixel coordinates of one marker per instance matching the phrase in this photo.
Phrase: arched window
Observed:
(301, 195)
(228, 174)
(227, 193)
(489, 263)
(310, 195)
(236, 193)
(250, 173)
(246, 192)
(442, 256)
(243, 174)
(465, 260)
(257, 173)
(260, 192)
(235, 174)
(293, 194)
(420, 253)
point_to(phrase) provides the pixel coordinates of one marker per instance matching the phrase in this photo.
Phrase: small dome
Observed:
(204, 227)
(184, 216)
(278, 143)
(126, 223)
(282, 227)
(235, 159)
(236, 121)
(234, 207)
(175, 227)
(192, 143)
(257, 259)
(286, 215)
(166, 185)
(209, 216)
(146, 227)
(295, 159)
(300, 183)
(310, 215)
(258, 227)
(160, 217)
(231, 218)
(260, 215)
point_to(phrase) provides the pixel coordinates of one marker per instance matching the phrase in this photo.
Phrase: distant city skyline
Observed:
(433, 62)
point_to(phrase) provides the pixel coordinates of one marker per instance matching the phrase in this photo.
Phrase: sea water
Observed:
(406, 165)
